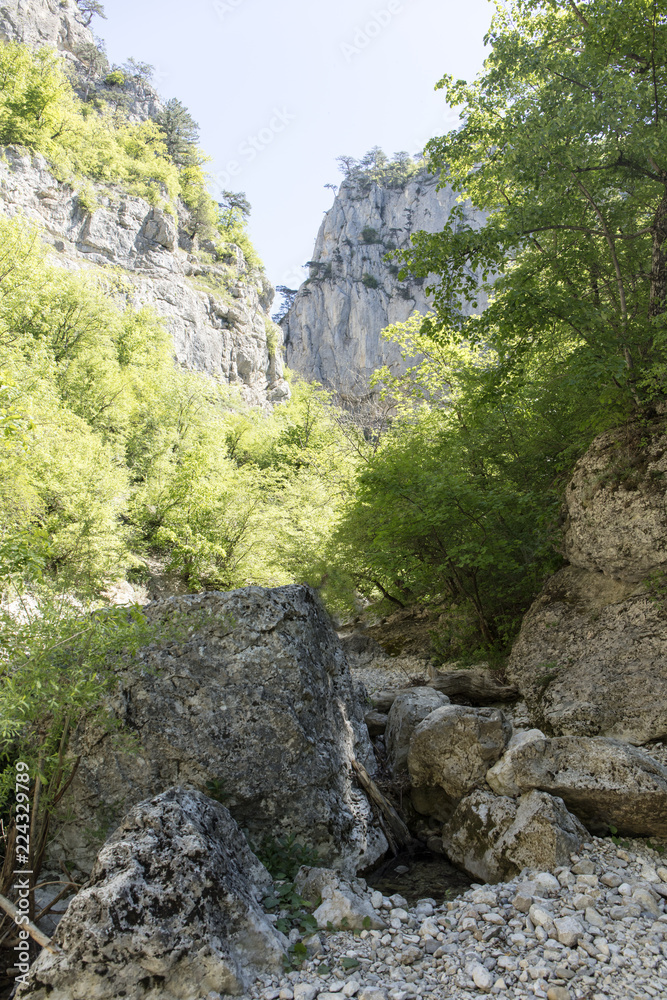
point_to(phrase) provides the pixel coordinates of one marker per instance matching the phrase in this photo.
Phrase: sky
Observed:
(280, 89)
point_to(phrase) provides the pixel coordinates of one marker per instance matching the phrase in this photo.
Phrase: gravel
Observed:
(594, 929)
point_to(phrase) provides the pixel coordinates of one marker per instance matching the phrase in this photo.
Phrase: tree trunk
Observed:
(658, 293)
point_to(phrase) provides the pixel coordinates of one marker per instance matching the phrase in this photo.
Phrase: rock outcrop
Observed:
(332, 329)
(591, 657)
(450, 753)
(257, 706)
(216, 313)
(56, 23)
(494, 837)
(605, 782)
(172, 911)
(409, 708)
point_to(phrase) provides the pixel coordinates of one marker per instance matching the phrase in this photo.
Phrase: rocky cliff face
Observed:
(332, 330)
(591, 656)
(216, 313)
(57, 23)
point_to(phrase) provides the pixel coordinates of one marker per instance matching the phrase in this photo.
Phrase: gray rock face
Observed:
(220, 332)
(332, 330)
(494, 837)
(617, 505)
(450, 753)
(591, 659)
(45, 22)
(171, 912)
(409, 709)
(260, 703)
(605, 782)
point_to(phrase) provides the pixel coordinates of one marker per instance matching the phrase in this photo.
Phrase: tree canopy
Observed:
(563, 144)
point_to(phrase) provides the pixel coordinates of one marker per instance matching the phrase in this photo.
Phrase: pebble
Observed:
(596, 928)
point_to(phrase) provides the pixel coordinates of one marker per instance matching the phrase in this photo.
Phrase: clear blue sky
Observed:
(280, 89)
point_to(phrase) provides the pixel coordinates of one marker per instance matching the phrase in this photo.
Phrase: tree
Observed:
(89, 9)
(235, 200)
(93, 63)
(180, 131)
(563, 144)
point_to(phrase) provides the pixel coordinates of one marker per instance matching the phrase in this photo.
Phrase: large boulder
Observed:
(605, 782)
(408, 709)
(493, 837)
(172, 911)
(450, 753)
(257, 706)
(591, 659)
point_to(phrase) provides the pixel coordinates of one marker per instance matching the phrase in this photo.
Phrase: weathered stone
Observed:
(259, 706)
(376, 722)
(604, 782)
(591, 659)
(409, 709)
(616, 504)
(494, 837)
(341, 902)
(172, 911)
(450, 753)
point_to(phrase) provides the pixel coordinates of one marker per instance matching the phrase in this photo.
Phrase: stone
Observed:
(450, 753)
(258, 702)
(305, 991)
(558, 993)
(590, 659)
(604, 782)
(494, 837)
(376, 722)
(482, 977)
(568, 930)
(642, 897)
(172, 911)
(408, 709)
(340, 902)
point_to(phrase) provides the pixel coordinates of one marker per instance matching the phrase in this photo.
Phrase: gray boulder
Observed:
(605, 782)
(494, 837)
(172, 911)
(409, 708)
(258, 706)
(338, 901)
(591, 659)
(450, 753)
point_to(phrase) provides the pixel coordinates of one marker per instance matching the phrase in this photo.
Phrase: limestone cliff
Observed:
(591, 658)
(56, 23)
(216, 313)
(332, 329)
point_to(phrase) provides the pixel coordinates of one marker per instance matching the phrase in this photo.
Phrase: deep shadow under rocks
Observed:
(418, 874)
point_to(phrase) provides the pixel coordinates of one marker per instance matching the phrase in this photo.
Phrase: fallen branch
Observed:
(32, 930)
(475, 685)
(399, 831)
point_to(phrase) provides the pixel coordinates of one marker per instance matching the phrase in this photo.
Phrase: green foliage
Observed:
(283, 856)
(370, 235)
(115, 79)
(563, 145)
(376, 167)
(370, 281)
(180, 132)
